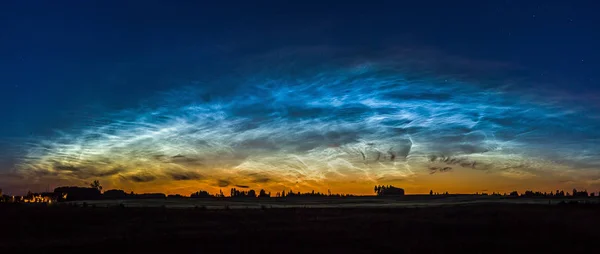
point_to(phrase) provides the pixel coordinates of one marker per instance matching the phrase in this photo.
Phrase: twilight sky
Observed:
(154, 96)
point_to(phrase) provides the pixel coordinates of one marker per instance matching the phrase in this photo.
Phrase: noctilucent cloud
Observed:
(309, 115)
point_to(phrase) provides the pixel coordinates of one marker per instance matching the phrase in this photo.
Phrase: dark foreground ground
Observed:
(475, 228)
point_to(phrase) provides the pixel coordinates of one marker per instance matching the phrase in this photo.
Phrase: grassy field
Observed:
(461, 228)
(327, 202)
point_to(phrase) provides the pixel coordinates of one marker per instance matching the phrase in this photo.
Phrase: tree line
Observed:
(530, 193)
(94, 192)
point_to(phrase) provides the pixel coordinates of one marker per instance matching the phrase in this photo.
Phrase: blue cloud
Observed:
(363, 122)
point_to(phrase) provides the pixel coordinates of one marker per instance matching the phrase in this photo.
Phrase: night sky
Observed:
(158, 96)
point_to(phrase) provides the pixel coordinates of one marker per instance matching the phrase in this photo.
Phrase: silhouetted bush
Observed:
(115, 194)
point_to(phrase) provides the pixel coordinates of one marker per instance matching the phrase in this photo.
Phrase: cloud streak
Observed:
(354, 123)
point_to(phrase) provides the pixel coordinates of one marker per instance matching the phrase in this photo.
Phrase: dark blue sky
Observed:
(61, 55)
(64, 61)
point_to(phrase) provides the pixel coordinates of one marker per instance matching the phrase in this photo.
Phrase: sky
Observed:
(178, 96)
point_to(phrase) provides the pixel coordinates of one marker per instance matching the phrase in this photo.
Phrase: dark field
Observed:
(471, 228)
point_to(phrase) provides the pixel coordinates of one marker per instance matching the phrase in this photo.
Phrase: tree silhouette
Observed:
(200, 194)
(264, 194)
(96, 185)
(580, 193)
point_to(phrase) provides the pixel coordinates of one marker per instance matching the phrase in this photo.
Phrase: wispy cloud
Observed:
(318, 124)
